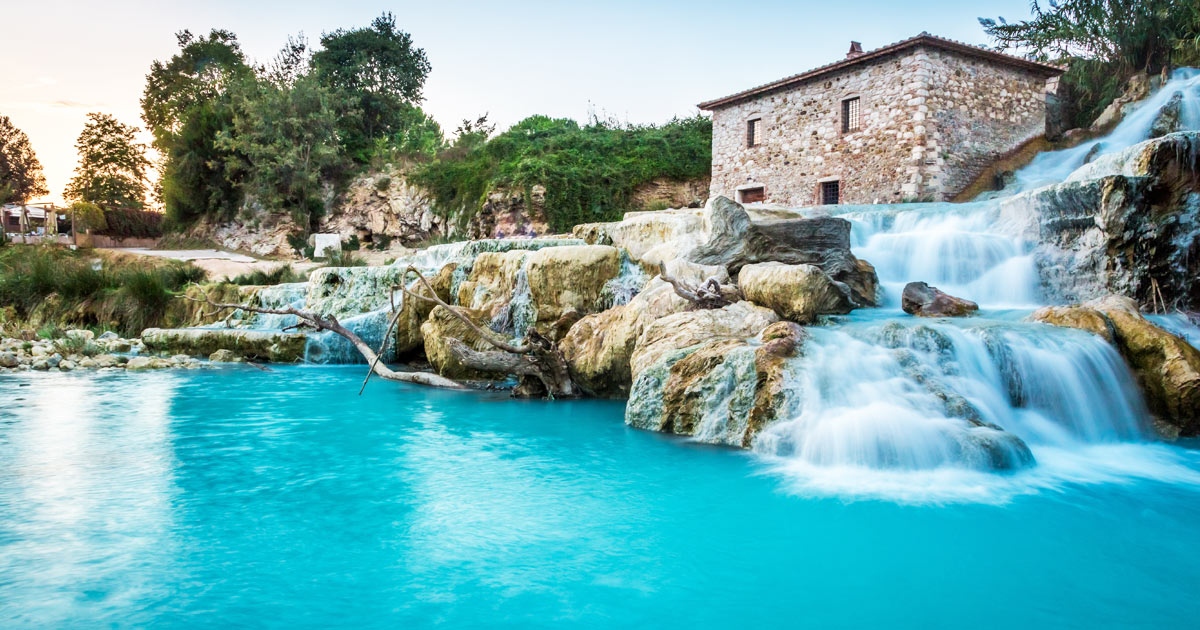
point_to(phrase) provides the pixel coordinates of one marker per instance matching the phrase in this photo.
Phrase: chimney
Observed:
(855, 50)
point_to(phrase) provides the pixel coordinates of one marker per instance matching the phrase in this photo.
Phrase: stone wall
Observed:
(979, 112)
(929, 120)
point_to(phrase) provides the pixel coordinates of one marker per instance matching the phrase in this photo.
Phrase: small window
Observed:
(850, 115)
(754, 195)
(753, 132)
(829, 193)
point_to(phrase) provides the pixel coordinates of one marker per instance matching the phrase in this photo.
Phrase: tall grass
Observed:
(279, 275)
(52, 286)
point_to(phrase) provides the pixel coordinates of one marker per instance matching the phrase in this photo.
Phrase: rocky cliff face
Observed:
(1128, 224)
(384, 206)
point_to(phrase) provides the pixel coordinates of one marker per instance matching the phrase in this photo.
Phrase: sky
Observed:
(640, 62)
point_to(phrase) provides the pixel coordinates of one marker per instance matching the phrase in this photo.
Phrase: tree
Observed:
(112, 165)
(289, 63)
(88, 217)
(21, 176)
(200, 176)
(380, 70)
(286, 140)
(1132, 34)
(1104, 42)
(202, 71)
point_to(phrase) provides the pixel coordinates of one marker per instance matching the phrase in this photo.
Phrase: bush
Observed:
(132, 223)
(68, 288)
(589, 172)
(88, 217)
(278, 275)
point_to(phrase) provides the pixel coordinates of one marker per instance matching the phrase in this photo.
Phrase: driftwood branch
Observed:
(330, 323)
(709, 295)
(537, 358)
(486, 334)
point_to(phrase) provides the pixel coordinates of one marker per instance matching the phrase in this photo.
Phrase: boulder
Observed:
(106, 360)
(725, 234)
(108, 335)
(1168, 118)
(795, 292)
(224, 356)
(733, 240)
(147, 363)
(1126, 224)
(414, 312)
(922, 300)
(442, 325)
(493, 279)
(722, 391)
(682, 330)
(599, 347)
(193, 311)
(66, 365)
(8, 360)
(1080, 317)
(263, 345)
(1166, 365)
(80, 334)
(572, 278)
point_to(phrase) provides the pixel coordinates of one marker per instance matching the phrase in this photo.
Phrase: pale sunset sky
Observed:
(641, 62)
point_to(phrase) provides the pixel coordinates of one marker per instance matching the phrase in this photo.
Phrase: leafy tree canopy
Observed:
(202, 70)
(380, 70)
(589, 172)
(1135, 34)
(21, 176)
(1104, 41)
(287, 140)
(112, 165)
(379, 59)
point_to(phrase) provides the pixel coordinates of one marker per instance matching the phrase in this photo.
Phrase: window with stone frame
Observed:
(830, 193)
(851, 120)
(753, 195)
(753, 132)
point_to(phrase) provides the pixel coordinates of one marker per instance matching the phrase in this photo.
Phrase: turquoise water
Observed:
(238, 498)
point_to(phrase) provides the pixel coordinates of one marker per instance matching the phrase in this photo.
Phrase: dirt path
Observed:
(220, 265)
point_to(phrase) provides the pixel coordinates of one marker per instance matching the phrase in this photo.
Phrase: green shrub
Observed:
(381, 242)
(352, 244)
(589, 172)
(345, 259)
(69, 288)
(278, 275)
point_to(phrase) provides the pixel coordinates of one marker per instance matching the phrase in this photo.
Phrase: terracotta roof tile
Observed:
(924, 39)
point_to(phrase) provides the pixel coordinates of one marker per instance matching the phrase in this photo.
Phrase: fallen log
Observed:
(709, 295)
(536, 362)
(330, 323)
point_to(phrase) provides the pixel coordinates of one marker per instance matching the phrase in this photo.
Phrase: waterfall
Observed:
(880, 399)
(628, 283)
(280, 296)
(1052, 167)
(519, 313)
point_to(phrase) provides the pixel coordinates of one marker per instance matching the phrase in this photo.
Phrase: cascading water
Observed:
(884, 402)
(1052, 167)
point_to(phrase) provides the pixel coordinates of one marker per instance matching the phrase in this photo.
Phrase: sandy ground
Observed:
(219, 265)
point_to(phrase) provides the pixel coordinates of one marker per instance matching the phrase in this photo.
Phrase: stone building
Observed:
(916, 120)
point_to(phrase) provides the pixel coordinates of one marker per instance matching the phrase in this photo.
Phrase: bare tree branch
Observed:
(331, 324)
(537, 358)
(709, 295)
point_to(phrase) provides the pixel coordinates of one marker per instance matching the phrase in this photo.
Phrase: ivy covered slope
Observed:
(589, 172)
